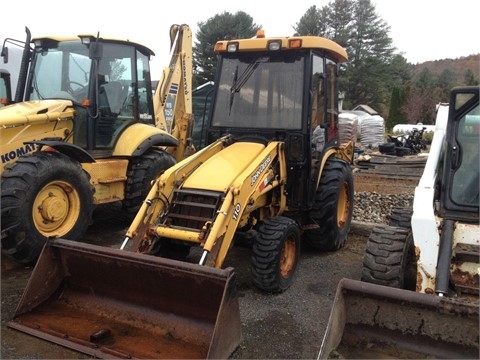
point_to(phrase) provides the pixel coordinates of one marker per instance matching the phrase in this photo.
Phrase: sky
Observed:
(422, 30)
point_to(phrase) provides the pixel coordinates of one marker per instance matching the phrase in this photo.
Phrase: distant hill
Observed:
(458, 66)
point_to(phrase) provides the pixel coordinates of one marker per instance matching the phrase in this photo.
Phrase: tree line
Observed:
(376, 74)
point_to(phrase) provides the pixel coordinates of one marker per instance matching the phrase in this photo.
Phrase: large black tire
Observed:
(403, 151)
(389, 258)
(387, 148)
(333, 207)
(43, 195)
(401, 217)
(141, 172)
(275, 254)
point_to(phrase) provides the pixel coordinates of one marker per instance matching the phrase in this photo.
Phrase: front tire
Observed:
(141, 172)
(275, 254)
(389, 258)
(401, 217)
(43, 195)
(333, 207)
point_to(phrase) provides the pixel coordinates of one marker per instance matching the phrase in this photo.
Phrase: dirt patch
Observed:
(384, 184)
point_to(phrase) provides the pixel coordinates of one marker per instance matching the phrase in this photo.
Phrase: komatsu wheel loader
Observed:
(273, 171)
(419, 291)
(86, 130)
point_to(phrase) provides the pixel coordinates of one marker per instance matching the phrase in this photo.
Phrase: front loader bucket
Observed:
(376, 322)
(111, 303)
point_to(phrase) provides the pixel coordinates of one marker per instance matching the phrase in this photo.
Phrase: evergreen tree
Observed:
(338, 16)
(396, 115)
(445, 82)
(368, 73)
(311, 23)
(373, 68)
(223, 26)
(425, 80)
(470, 78)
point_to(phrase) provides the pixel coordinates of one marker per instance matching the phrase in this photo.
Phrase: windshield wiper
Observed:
(238, 82)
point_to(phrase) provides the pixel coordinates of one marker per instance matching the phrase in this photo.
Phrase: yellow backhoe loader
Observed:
(85, 129)
(419, 294)
(273, 171)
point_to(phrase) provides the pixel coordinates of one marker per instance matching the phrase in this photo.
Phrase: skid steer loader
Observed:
(85, 130)
(273, 171)
(419, 294)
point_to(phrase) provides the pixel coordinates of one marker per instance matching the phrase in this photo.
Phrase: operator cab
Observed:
(461, 178)
(280, 90)
(107, 81)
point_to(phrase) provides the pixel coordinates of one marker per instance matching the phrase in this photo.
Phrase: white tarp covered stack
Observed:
(370, 128)
(347, 127)
(372, 131)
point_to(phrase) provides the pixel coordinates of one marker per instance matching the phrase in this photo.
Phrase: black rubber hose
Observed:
(444, 258)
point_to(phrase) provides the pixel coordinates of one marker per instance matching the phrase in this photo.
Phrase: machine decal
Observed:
(185, 74)
(236, 211)
(260, 170)
(173, 89)
(14, 154)
(169, 109)
(264, 184)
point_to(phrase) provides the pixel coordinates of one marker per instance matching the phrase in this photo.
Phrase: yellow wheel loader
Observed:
(273, 173)
(419, 291)
(85, 130)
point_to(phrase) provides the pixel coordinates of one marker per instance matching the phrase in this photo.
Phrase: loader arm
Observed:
(172, 101)
(246, 193)
(160, 196)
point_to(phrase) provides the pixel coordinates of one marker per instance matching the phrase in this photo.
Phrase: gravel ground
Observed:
(372, 207)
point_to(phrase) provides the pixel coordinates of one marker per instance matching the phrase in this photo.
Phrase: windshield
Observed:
(466, 182)
(260, 92)
(61, 72)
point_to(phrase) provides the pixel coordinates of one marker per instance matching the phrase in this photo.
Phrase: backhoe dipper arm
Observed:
(173, 96)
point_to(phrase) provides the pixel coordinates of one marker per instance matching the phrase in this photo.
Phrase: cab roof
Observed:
(141, 47)
(287, 43)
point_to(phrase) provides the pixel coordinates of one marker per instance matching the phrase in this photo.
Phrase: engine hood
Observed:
(23, 111)
(218, 172)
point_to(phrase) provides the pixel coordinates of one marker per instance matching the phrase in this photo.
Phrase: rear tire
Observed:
(43, 195)
(333, 207)
(275, 254)
(141, 172)
(389, 258)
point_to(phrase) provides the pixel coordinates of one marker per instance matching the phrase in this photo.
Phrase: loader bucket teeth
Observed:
(107, 302)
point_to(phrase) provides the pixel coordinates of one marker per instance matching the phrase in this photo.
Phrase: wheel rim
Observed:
(288, 259)
(343, 206)
(56, 209)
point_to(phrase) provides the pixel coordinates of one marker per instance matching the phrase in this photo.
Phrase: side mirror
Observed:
(4, 54)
